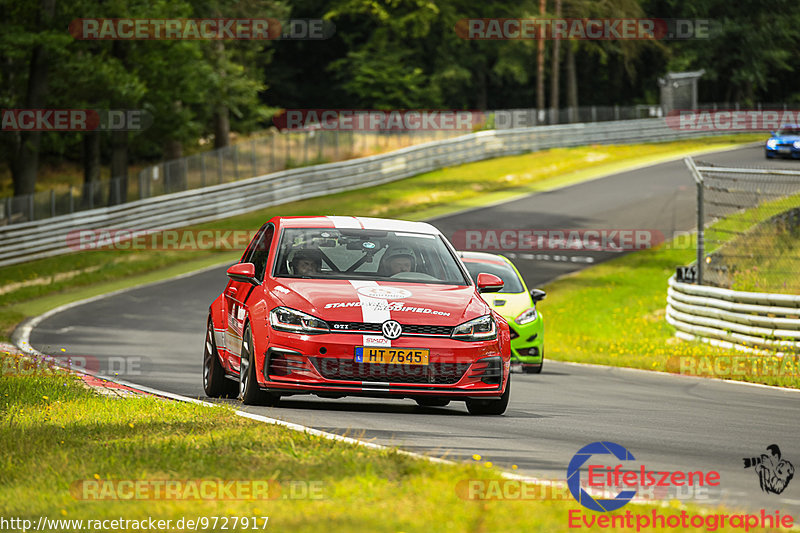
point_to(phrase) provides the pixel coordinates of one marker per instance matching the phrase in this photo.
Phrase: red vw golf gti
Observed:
(347, 306)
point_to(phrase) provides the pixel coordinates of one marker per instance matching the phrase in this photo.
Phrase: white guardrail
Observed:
(47, 238)
(749, 320)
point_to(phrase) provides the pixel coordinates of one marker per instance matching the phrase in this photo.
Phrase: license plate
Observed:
(784, 149)
(391, 356)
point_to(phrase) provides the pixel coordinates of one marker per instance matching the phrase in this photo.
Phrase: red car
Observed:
(348, 306)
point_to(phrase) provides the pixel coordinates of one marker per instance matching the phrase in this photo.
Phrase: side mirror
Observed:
(244, 272)
(489, 283)
(538, 295)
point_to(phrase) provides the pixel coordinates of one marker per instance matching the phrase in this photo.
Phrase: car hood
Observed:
(509, 305)
(369, 301)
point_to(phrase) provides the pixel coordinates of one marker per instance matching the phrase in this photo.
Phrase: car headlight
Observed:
(796, 144)
(285, 319)
(482, 328)
(772, 143)
(528, 315)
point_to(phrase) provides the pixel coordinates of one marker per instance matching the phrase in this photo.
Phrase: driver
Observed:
(399, 260)
(306, 262)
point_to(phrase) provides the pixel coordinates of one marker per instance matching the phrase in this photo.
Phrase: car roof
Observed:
(349, 222)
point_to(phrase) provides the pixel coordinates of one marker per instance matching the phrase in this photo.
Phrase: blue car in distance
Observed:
(784, 143)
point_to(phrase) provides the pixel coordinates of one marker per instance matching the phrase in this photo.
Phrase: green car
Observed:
(516, 305)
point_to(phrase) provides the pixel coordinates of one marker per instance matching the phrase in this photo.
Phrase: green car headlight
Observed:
(527, 316)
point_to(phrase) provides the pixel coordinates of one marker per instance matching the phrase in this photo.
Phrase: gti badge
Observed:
(391, 329)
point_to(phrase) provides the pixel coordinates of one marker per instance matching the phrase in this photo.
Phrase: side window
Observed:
(260, 252)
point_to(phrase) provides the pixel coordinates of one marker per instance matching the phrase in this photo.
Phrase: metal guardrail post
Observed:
(698, 179)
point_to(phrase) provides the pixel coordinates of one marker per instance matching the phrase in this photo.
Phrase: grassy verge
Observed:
(756, 249)
(61, 442)
(38, 284)
(614, 314)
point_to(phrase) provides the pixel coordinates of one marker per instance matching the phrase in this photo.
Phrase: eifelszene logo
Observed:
(607, 479)
(774, 473)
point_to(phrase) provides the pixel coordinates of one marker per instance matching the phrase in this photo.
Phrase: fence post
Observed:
(698, 178)
(91, 194)
(31, 206)
(336, 145)
(117, 188)
(594, 114)
(72, 201)
(236, 162)
(8, 209)
(253, 156)
(52, 203)
(219, 165)
(203, 167)
(186, 174)
(272, 167)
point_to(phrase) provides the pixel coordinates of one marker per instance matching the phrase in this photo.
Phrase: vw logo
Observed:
(391, 329)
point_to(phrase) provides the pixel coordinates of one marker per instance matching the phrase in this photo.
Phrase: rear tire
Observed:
(249, 391)
(491, 407)
(431, 402)
(215, 384)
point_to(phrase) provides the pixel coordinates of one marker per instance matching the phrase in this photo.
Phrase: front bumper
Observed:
(527, 347)
(782, 150)
(325, 365)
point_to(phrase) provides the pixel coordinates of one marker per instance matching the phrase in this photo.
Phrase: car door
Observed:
(237, 292)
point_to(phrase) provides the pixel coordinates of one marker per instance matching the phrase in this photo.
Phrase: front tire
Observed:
(491, 407)
(249, 391)
(215, 384)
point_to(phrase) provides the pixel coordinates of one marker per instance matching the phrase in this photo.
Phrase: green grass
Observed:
(57, 434)
(756, 249)
(614, 314)
(40, 284)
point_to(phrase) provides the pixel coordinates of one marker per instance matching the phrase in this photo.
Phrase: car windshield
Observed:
(361, 254)
(511, 283)
(789, 130)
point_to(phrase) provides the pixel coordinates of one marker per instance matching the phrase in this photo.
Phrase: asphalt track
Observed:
(153, 336)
